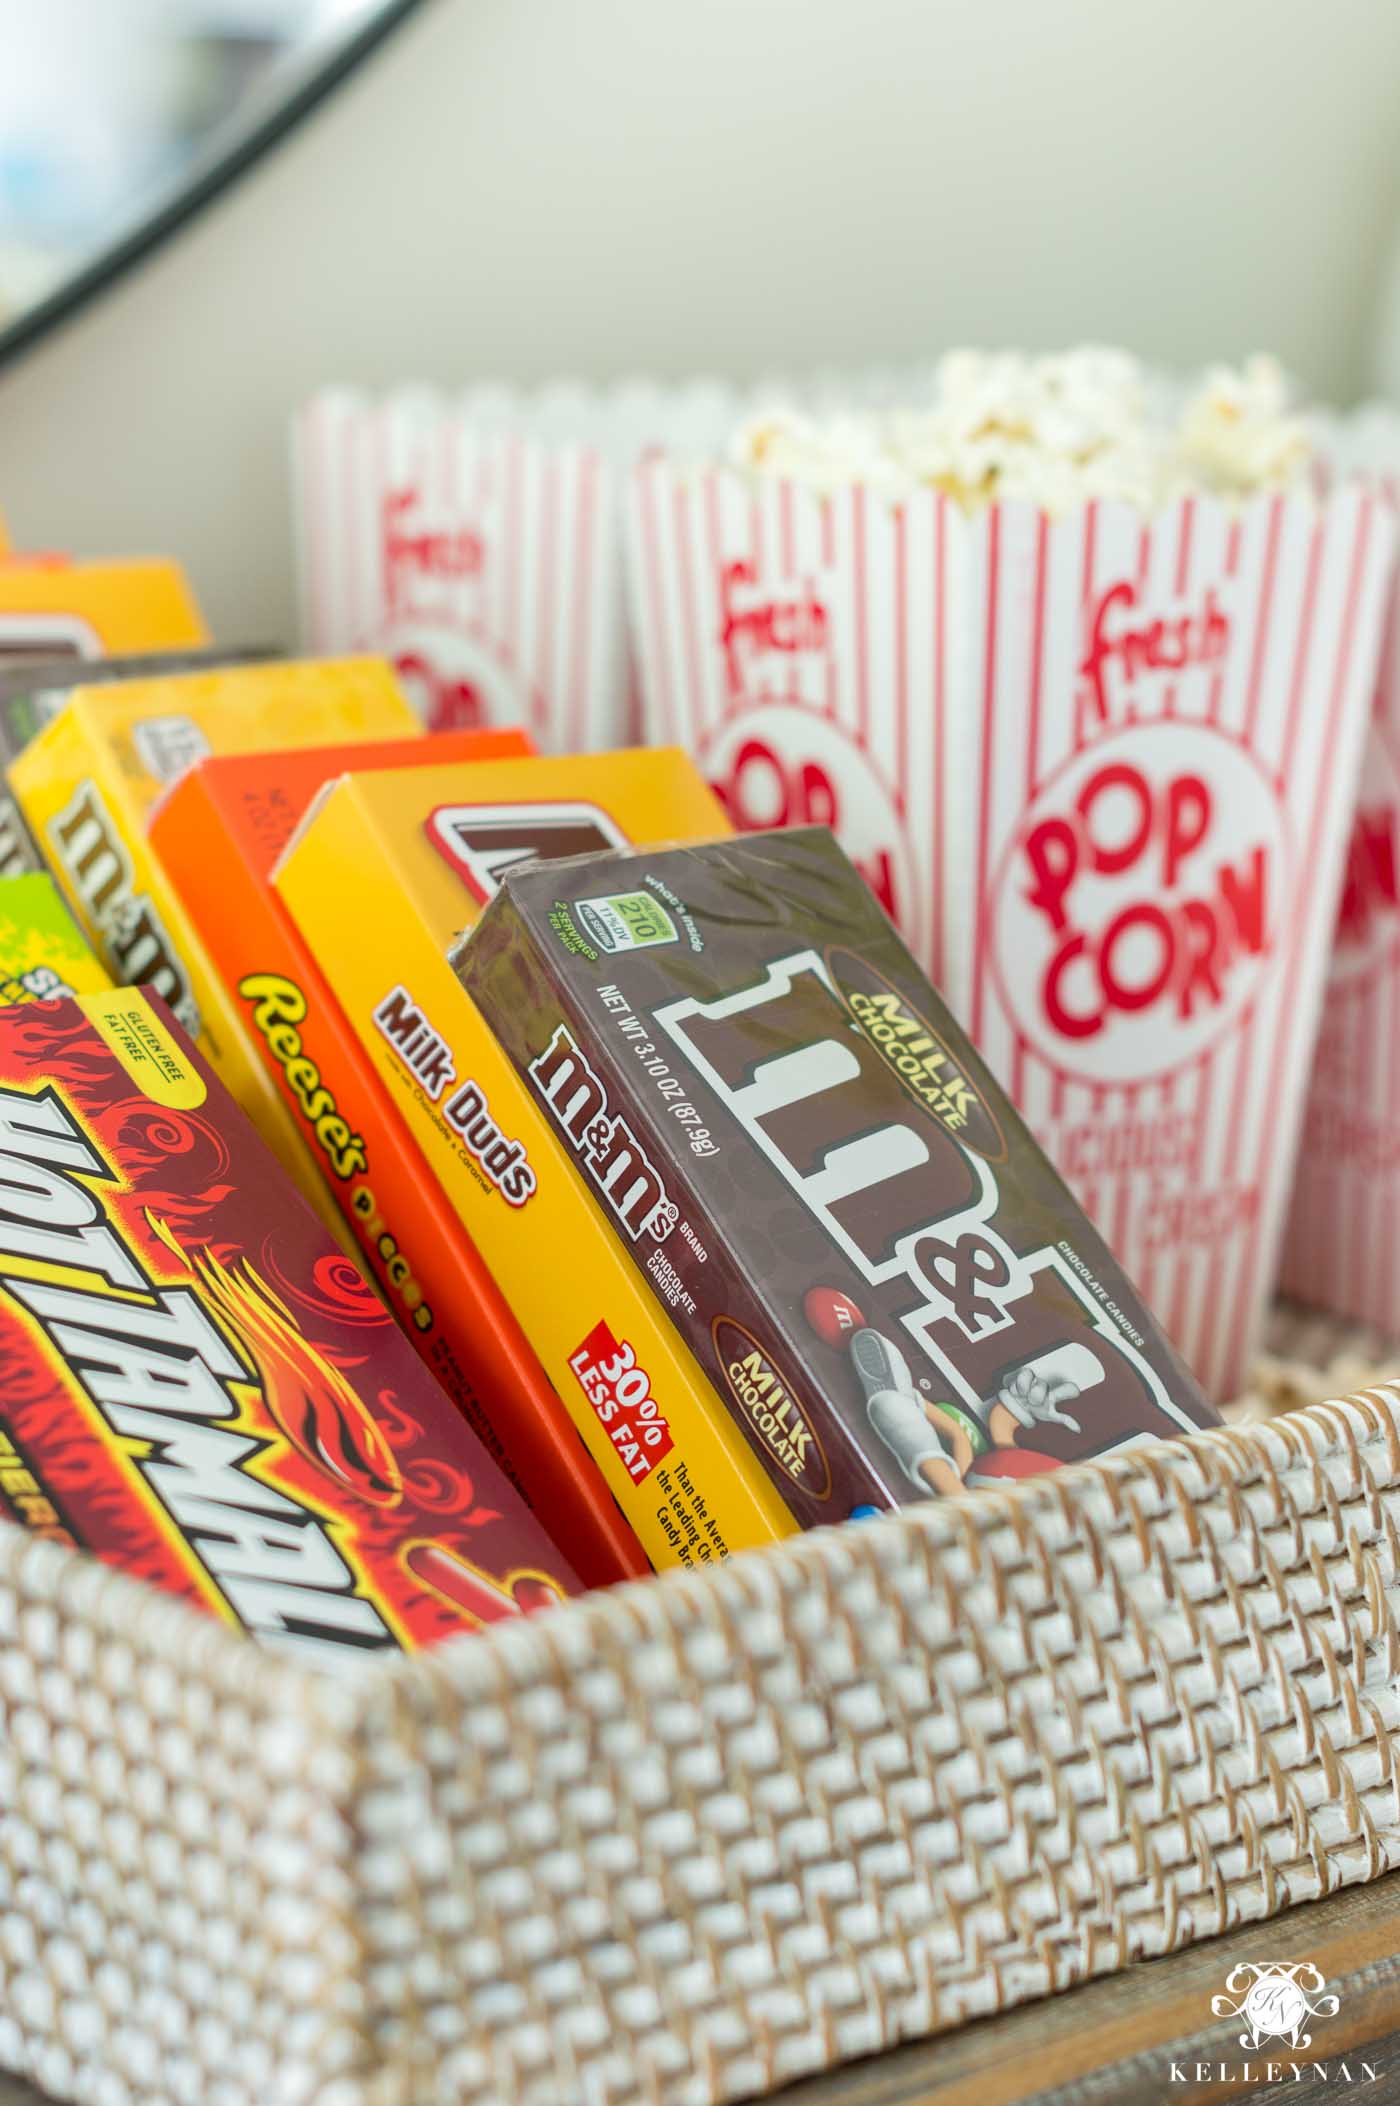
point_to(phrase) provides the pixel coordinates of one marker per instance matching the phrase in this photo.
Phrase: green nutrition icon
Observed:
(625, 921)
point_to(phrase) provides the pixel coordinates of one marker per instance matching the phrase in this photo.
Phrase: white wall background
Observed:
(528, 186)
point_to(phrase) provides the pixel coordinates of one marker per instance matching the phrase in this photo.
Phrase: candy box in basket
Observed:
(43, 954)
(384, 873)
(219, 833)
(1094, 745)
(350, 939)
(51, 608)
(86, 786)
(197, 1387)
(33, 691)
(882, 1277)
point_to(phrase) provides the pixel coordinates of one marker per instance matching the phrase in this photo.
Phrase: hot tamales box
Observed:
(86, 787)
(385, 872)
(196, 1386)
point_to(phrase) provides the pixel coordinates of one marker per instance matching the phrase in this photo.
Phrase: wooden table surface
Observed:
(1147, 2037)
(1137, 2038)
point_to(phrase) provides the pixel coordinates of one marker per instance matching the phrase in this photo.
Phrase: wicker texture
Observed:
(683, 1842)
(173, 1851)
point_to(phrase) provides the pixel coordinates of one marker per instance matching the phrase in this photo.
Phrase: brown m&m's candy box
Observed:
(887, 1283)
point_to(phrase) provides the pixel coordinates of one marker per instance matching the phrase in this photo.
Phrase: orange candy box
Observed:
(218, 834)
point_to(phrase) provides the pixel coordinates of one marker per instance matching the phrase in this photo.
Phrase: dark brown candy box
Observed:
(887, 1283)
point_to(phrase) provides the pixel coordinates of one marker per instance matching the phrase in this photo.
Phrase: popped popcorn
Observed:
(1236, 434)
(1054, 431)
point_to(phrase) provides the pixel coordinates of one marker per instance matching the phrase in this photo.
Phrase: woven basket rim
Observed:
(126, 1609)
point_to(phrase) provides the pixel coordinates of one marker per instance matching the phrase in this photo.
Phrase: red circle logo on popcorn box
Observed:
(1140, 900)
(1368, 917)
(781, 763)
(454, 681)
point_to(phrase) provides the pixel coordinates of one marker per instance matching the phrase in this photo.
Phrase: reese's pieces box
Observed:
(218, 834)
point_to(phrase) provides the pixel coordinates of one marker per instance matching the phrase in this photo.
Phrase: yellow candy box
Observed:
(88, 782)
(50, 608)
(385, 870)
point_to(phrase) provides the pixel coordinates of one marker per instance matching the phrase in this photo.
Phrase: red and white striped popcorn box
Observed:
(1099, 768)
(1342, 1244)
(475, 538)
(477, 554)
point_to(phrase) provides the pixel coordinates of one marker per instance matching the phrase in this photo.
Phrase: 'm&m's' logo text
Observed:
(86, 843)
(907, 1195)
(627, 1179)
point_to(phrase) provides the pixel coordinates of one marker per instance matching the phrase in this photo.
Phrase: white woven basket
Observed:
(693, 1838)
